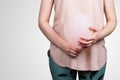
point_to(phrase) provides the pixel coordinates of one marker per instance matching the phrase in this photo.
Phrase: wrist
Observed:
(101, 35)
(62, 44)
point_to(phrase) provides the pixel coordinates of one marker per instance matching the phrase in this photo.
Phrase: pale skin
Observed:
(68, 48)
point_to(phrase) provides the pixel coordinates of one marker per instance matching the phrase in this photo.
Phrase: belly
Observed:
(77, 25)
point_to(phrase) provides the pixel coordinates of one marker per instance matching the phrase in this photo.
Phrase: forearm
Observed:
(111, 18)
(108, 29)
(50, 34)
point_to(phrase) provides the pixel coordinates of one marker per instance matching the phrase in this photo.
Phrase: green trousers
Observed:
(64, 73)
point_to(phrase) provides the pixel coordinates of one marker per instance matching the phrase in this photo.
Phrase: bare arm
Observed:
(111, 22)
(43, 23)
(44, 16)
(111, 18)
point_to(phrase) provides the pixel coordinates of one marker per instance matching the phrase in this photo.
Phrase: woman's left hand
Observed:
(86, 42)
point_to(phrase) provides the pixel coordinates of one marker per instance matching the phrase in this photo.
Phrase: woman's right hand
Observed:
(70, 49)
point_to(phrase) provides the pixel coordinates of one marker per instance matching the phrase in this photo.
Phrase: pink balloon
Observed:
(77, 25)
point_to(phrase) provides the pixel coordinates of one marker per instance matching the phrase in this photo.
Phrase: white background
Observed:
(23, 47)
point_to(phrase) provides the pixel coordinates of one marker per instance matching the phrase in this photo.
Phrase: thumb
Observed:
(94, 29)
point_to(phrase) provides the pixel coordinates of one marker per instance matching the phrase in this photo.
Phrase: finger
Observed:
(81, 45)
(83, 38)
(89, 45)
(86, 46)
(79, 48)
(73, 53)
(93, 28)
(87, 39)
(85, 42)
